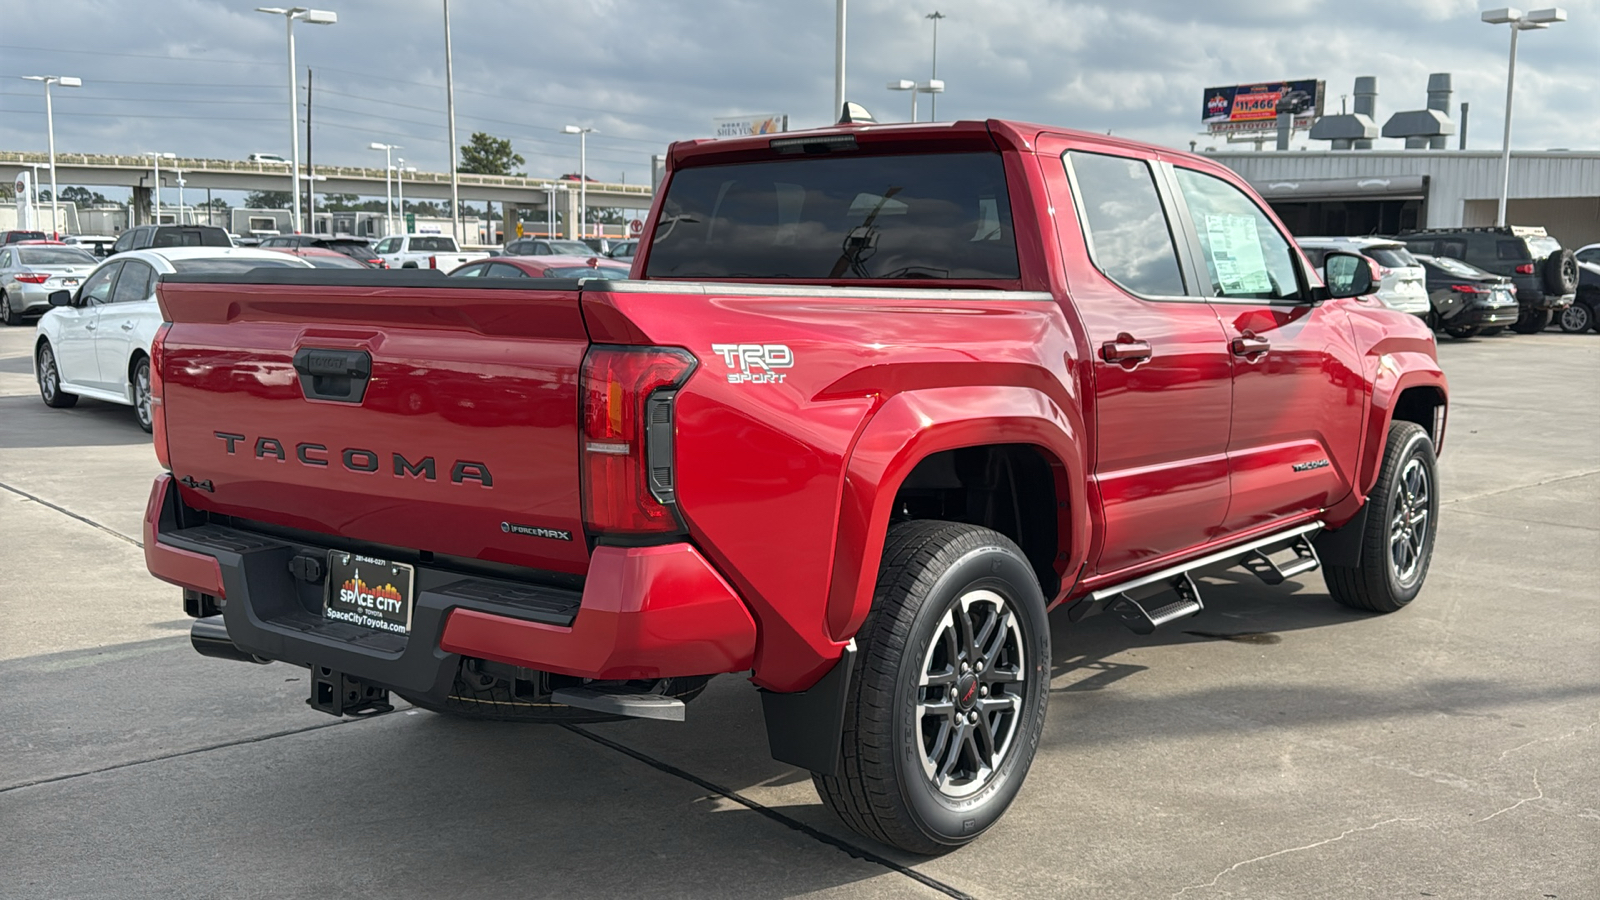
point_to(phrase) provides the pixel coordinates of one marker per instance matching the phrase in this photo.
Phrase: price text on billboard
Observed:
(1254, 107)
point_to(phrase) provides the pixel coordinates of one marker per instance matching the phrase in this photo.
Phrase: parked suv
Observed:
(142, 237)
(1546, 275)
(1401, 279)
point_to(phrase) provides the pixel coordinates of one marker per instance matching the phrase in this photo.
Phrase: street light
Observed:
(933, 107)
(311, 193)
(388, 197)
(310, 17)
(400, 186)
(450, 112)
(1519, 22)
(583, 176)
(932, 86)
(50, 131)
(156, 158)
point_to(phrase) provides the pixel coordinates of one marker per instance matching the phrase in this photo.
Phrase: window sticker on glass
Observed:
(1235, 248)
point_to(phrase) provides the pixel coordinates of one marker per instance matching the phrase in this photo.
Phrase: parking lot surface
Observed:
(1277, 745)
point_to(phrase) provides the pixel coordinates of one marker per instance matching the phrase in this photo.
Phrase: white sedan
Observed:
(95, 342)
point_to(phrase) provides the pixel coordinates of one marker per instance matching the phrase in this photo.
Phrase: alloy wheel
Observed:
(1576, 318)
(49, 382)
(970, 694)
(1409, 521)
(141, 394)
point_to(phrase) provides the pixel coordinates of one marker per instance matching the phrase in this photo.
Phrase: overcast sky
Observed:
(206, 78)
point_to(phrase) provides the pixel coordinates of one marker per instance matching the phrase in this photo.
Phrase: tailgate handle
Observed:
(338, 375)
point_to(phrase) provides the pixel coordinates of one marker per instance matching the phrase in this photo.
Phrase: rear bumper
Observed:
(644, 612)
(1486, 315)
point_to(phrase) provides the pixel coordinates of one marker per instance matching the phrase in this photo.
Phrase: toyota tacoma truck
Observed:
(874, 401)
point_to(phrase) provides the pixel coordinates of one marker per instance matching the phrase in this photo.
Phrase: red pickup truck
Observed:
(875, 399)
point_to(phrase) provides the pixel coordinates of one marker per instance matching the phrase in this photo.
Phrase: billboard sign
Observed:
(745, 126)
(1244, 108)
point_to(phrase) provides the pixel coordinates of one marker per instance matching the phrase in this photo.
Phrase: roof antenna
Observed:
(856, 114)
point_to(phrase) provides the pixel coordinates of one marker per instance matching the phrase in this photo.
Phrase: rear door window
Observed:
(1129, 237)
(1245, 255)
(501, 270)
(1512, 249)
(1393, 257)
(839, 217)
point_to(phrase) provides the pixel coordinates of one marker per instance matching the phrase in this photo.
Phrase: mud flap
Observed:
(1343, 547)
(806, 728)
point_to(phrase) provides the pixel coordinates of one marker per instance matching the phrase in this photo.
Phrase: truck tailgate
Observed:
(461, 439)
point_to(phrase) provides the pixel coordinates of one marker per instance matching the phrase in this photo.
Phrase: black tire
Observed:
(139, 382)
(486, 698)
(1532, 321)
(7, 314)
(49, 377)
(1560, 273)
(1462, 331)
(1491, 330)
(1394, 558)
(890, 785)
(1577, 318)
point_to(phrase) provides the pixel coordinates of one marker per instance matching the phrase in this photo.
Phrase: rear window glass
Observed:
(191, 237)
(332, 262)
(1457, 267)
(54, 256)
(936, 216)
(232, 266)
(570, 248)
(1393, 257)
(1543, 246)
(609, 272)
(1511, 250)
(26, 235)
(433, 245)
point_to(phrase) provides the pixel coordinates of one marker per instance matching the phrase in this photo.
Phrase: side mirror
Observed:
(1347, 274)
(60, 298)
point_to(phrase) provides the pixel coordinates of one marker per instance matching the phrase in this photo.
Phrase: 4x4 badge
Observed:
(189, 482)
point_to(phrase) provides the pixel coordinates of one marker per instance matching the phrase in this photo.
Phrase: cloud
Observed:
(207, 78)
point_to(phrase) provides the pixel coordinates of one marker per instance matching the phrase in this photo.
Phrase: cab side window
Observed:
(97, 289)
(137, 282)
(124, 242)
(1129, 238)
(1245, 255)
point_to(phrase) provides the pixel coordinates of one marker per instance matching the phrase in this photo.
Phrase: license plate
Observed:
(372, 593)
(69, 282)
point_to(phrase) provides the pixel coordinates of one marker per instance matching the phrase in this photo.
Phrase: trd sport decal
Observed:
(755, 362)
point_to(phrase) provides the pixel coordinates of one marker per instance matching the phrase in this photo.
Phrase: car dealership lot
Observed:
(1275, 745)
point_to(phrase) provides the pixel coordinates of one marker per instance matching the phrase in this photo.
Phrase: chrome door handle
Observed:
(127, 326)
(1250, 344)
(90, 327)
(1125, 349)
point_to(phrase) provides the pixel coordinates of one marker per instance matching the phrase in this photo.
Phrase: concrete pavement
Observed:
(1277, 745)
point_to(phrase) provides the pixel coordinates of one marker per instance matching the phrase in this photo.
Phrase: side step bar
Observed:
(1133, 601)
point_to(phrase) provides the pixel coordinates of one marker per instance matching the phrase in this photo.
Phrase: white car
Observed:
(271, 159)
(95, 341)
(1402, 282)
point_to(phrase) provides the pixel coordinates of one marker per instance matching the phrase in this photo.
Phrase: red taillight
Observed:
(1468, 289)
(629, 479)
(1525, 269)
(33, 277)
(158, 407)
(433, 262)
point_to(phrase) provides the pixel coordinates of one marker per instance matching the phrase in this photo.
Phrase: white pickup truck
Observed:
(424, 251)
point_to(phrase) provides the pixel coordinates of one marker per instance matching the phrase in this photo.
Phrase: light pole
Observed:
(310, 17)
(932, 86)
(1519, 22)
(838, 63)
(311, 196)
(450, 111)
(583, 175)
(933, 107)
(400, 187)
(50, 132)
(155, 204)
(388, 196)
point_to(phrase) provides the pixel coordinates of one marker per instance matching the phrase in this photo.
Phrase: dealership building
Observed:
(1351, 192)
